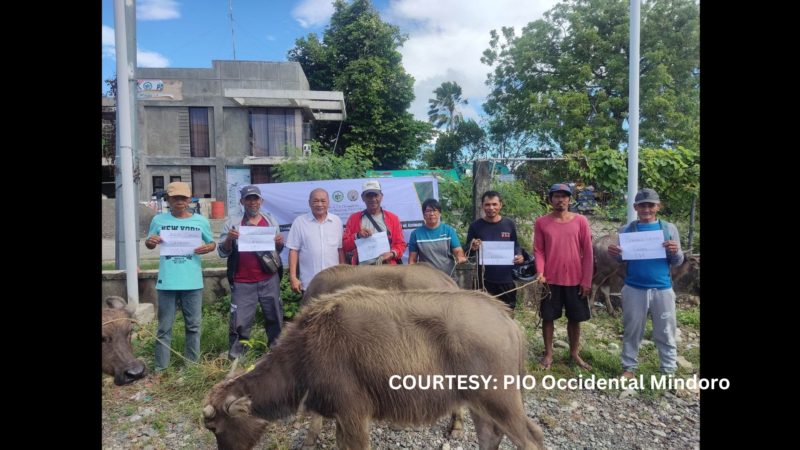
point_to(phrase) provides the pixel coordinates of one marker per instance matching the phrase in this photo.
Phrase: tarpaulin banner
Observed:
(402, 196)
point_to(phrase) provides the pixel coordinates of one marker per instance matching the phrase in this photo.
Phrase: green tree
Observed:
(443, 154)
(519, 203)
(673, 173)
(565, 78)
(444, 108)
(358, 55)
(325, 165)
(464, 144)
(112, 86)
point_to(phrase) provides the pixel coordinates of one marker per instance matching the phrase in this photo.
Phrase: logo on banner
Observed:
(352, 195)
(338, 196)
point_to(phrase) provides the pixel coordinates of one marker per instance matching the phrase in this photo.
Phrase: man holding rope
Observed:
(493, 227)
(562, 248)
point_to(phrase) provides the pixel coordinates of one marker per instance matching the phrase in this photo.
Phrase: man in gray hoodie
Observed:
(648, 288)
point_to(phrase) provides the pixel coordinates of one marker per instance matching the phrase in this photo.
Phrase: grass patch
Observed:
(692, 355)
(688, 317)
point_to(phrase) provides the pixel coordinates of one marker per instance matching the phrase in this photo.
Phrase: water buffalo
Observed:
(404, 277)
(118, 357)
(609, 274)
(340, 354)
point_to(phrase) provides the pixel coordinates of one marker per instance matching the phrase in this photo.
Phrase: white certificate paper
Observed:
(643, 245)
(253, 239)
(497, 253)
(179, 242)
(373, 246)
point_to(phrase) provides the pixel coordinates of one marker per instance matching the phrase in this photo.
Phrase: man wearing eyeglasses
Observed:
(436, 241)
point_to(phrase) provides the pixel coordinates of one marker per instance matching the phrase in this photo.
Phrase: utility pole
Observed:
(633, 110)
(128, 30)
(126, 203)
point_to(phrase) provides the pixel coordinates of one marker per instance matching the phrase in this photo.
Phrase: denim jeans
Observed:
(192, 307)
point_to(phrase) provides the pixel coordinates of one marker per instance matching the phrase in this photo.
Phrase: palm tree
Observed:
(443, 108)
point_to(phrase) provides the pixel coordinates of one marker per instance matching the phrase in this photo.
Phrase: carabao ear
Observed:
(236, 407)
(116, 302)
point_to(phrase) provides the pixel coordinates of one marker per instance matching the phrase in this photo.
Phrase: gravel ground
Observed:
(570, 419)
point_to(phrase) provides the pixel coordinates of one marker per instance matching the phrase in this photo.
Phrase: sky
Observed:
(445, 37)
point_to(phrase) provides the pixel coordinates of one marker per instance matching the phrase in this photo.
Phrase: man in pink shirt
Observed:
(562, 246)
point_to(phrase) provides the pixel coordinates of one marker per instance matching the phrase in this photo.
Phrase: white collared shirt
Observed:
(317, 244)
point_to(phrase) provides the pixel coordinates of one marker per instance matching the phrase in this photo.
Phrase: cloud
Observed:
(311, 13)
(447, 39)
(144, 58)
(108, 42)
(157, 10)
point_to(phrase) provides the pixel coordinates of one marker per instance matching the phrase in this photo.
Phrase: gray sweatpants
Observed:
(245, 298)
(660, 303)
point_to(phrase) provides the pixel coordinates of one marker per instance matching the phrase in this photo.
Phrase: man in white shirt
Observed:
(315, 241)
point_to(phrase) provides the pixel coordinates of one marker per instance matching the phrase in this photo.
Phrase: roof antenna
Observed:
(233, 36)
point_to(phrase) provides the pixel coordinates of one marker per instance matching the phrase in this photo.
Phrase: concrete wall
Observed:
(161, 136)
(108, 217)
(215, 285)
(235, 135)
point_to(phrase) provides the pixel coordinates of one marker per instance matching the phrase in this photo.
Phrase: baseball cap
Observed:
(646, 195)
(178, 188)
(250, 189)
(371, 186)
(560, 187)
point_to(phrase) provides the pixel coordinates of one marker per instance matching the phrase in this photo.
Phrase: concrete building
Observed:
(226, 126)
(109, 123)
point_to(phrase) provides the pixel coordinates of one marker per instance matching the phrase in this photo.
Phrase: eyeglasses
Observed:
(430, 211)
